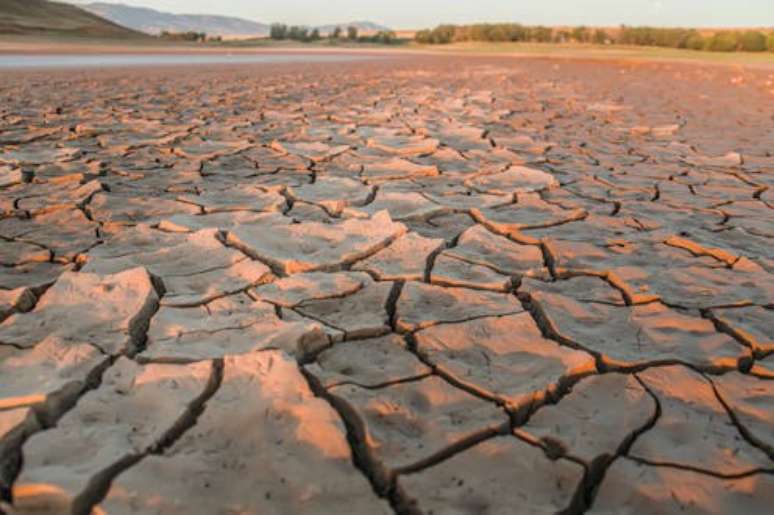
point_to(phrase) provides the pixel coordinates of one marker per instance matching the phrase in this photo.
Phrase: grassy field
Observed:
(589, 51)
(570, 50)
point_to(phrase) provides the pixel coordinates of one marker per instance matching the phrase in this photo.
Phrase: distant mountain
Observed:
(44, 18)
(152, 21)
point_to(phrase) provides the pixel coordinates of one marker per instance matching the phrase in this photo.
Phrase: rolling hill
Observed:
(154, 22)
(44, 18)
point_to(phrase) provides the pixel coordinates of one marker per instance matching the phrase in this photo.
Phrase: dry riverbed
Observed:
(412, 284)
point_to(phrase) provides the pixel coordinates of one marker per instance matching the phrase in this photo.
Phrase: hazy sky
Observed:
(424, 13)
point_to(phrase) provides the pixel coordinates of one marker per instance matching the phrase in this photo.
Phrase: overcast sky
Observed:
(426, 13)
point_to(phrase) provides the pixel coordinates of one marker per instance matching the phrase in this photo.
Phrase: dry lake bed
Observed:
(411, 284)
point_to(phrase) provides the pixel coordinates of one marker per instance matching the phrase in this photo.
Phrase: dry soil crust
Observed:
(413, 285)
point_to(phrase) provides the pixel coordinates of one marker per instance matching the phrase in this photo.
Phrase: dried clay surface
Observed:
(412, 285)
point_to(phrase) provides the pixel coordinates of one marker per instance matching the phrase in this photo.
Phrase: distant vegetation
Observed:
(279, 31)
(722, 41)
(196, 37)
(385, 37)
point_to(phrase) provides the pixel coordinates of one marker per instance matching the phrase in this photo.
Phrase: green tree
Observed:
(752, 41)
(297, 33)
(723, 42)
(442, 34)
(336, 34)
(385, 37)
(540, 34)
(581, 34)
(562, 36)
(278, 31)
(352, 33)
(315, 36)
(423, 37)
(695, 41)
(501, 32)
(770, 42)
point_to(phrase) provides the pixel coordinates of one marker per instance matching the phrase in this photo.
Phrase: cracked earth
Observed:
(412, 285)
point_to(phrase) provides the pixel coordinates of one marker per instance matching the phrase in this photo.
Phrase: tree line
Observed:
(722, 41)
(280, 31)
(198, 37)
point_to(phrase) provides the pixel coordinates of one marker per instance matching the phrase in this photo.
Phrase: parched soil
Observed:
(412, 285)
